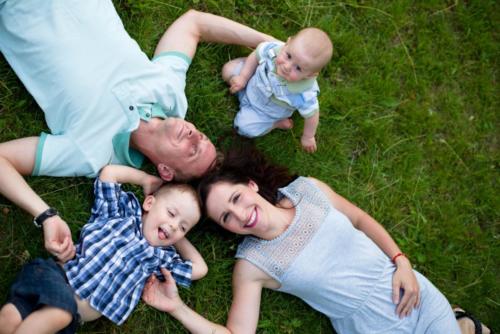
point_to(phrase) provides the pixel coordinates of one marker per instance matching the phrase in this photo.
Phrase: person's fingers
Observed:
(409, 306)
(395, 292)
(417, 303)
(54, 247)
(167, 275)
(68, 252)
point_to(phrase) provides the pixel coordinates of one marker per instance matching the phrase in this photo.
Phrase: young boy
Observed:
(119, 248)
(280, 78)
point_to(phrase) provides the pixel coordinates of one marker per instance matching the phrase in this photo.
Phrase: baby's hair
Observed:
(318, 45)
(168, 188)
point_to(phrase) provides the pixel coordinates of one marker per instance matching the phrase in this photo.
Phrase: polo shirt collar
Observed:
(121, 141)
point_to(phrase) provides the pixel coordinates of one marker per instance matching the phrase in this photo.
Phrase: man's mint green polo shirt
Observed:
(91, 80)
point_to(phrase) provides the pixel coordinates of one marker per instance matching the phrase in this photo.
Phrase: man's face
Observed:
(185, 149)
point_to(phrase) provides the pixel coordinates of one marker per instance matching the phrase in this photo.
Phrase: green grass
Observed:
(408, 132)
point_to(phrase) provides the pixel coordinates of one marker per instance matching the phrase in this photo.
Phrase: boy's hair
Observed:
(318, 46)
(168, 188)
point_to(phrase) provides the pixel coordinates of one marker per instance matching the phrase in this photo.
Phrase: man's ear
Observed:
(148, 203)
(253, 185)
(166, 172)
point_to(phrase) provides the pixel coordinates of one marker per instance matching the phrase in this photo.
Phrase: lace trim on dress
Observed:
(275, 256)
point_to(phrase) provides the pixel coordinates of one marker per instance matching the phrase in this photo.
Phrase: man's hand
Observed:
(308, 144)
(404, 279)
(237, 83)
(151, 183)
(162, 295)
(58, 239)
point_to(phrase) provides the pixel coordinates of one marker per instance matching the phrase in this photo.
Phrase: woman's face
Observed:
(238, 208)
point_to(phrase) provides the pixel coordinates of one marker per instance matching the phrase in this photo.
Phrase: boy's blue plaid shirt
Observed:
(113, 260)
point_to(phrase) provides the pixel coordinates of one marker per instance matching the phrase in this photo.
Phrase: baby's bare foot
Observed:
(284, 124)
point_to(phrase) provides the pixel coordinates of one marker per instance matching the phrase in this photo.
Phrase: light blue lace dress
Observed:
(336, 269)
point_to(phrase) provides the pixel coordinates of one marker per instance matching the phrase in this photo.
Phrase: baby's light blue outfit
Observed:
(336, 269)
(90, 78)
(268, 98)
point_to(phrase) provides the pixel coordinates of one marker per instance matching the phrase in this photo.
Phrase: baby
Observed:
(275, 80)
(119, 248)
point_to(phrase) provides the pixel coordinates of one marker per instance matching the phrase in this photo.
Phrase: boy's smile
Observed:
(167, 218)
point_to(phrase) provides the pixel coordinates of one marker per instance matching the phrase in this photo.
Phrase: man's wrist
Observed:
(44, 216)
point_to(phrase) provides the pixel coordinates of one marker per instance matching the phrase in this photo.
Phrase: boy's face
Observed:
(167, 219)
(293, 63)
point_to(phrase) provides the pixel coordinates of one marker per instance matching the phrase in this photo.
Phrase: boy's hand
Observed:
(151, 183)
(237, 83)
(57, 236)
(308, 144)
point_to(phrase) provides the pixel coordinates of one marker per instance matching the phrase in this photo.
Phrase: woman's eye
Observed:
(170, 213)
(298, 68)
(236, 198)
(225, 217)
(288, 56)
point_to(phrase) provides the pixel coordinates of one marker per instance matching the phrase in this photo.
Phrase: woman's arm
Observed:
(404, 278)
(248, 282)
(188, 252)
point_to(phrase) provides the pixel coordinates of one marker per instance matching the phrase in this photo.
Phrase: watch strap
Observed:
(50, 212)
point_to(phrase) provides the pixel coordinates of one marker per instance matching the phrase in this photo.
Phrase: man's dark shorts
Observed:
(43, 282)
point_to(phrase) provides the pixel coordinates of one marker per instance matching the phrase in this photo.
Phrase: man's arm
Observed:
(17, 158)
(192, 27)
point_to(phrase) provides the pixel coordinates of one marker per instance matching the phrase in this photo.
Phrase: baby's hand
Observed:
(237, 83)
(151, 183)
(308, 144)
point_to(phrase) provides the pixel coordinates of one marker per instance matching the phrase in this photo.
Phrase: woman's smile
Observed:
(252, 221)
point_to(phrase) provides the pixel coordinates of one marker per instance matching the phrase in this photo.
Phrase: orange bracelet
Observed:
(396, 256)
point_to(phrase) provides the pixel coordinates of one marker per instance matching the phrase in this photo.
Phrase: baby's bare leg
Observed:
(10, 319)
(284, 124)
(229, 68)
(47, 320)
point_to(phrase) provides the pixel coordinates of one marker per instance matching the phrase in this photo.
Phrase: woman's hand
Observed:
(162, 295)
(404, 279)
(151, 183)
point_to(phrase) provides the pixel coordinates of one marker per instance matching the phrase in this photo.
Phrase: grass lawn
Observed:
(408, 131)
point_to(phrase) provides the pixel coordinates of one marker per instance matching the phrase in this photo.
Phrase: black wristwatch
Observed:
(50, 212)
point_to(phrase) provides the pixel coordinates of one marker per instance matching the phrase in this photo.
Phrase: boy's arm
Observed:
(238, 82)
(125, 174)
(188, 252)
(308, 139)
(17, 157)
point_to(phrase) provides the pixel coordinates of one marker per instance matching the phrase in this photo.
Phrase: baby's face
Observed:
(168, 218)
(293, 63)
